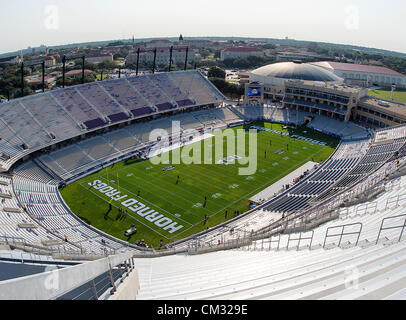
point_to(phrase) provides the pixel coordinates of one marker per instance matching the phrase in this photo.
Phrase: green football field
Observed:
(399, 94)
(166, 208)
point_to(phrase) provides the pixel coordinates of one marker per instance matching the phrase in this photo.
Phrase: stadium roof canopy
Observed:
(297, 71)
(341, 66)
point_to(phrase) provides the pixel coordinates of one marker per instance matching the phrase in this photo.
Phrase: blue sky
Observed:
(370, 23)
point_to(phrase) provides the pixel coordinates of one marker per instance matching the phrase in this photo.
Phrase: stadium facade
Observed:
(310, 87)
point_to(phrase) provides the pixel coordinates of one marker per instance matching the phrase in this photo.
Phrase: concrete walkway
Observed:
(277, 186)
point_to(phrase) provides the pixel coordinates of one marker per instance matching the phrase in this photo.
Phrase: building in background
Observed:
(98, 58)
(273, 76)
(365, 75)
(381, 113)
(240, 52)
(311, 88)
(50, 61)
(158, 44)
(78, 73)
(199, 43)
(163, 55)
(10, 60)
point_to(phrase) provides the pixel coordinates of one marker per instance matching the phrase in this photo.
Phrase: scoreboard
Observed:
(254, 92)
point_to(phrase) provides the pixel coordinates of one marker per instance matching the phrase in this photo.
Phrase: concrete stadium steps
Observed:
(371, 223)
(187, 121)
(121, 139)
(270, 275)
(70, 157)
(97, 148)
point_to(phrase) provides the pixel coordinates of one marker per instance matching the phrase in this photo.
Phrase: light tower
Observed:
(393, 91)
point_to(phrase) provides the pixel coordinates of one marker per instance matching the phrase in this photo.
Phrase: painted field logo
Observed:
(229, 160)
(191, 153)
(137, 207)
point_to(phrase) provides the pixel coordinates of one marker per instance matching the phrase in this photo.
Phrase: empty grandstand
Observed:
(297, 243)
(75, 111)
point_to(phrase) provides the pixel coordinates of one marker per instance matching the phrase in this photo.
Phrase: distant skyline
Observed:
(375, 24)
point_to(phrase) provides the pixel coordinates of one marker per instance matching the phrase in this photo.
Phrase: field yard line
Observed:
(262, 186)
(259, 160)
(161, 209)
(270, 181)
(101, 177)
(173, 194)
(123, 169)
(207, 183)
(157, 186)
(223, 169)
(265, 184)
(265, 164)
(190, 192)
(128, 214)
(229, 177)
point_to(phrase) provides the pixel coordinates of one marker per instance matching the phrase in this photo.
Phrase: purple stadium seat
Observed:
(118, 117)
(91, 124)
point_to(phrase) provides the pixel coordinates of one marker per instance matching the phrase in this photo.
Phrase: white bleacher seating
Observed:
(39, 121)
(260, 271)
(39, 194)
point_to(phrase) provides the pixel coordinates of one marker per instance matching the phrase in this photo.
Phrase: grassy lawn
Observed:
(399, 95)
(156, 190)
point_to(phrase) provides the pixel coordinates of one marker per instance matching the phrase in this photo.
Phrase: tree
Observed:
(204, 53)
(10, 81)
(106, 65)
(115, 43)
(180, 65)
(121, 54)
(268, 46)
(228, 89)
(216, 72)
(70, 81)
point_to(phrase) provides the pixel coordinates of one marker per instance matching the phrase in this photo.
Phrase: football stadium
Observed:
(92, 192)
(221, 168)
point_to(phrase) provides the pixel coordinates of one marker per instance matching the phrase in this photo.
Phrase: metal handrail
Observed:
(342, 233)
(395, 199)
(300, 239)
(333, 202)
(394, 227)
(366, 206)
(278, 241)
